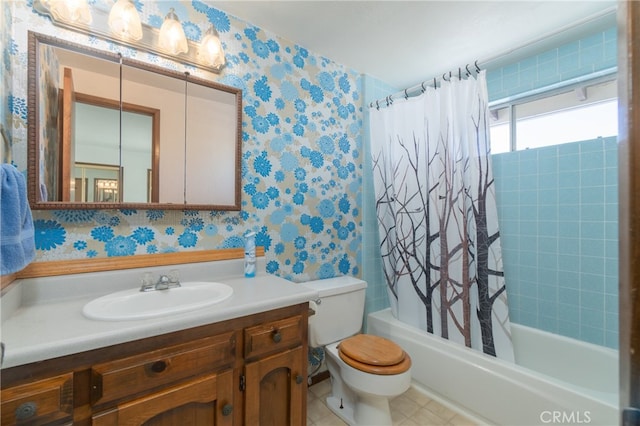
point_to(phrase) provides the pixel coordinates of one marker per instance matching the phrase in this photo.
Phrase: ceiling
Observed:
(404, 43)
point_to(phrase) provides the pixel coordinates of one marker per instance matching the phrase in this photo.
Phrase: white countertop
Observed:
(42, 318)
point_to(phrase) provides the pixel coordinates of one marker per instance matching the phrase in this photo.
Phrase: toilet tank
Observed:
(340, 310)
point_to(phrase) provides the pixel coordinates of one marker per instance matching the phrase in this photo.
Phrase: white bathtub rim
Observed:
(498, 366)
(536, 383)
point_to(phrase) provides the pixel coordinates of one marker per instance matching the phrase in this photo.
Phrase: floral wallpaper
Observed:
(301, 155)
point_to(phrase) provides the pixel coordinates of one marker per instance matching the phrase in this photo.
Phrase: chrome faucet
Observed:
(164, 282)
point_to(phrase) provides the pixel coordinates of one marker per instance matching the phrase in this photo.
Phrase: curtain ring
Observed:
(459, 74)
(468, 72)
(406, 95)
(424, 89)
(444, 76)
(377, 106)
(477, 67)
(435, 83)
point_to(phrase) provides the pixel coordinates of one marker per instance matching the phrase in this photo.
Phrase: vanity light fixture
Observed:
(211, 52)
(124, 20)
(72, 11)
(107, 184)
(172, 37)
(122, 25)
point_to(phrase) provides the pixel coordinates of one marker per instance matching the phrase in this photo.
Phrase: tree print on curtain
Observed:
(435, 202)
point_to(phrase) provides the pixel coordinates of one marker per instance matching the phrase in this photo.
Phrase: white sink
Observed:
(133, 304)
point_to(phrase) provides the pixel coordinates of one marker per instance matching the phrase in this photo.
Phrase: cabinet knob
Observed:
(299, 379)
(26, 410)
(227, 409)
(158, 366)
(277, 337)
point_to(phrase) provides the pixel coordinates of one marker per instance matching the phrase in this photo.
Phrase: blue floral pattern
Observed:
(301, 165)
(49, 234)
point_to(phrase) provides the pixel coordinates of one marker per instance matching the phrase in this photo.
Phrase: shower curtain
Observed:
(437, 218)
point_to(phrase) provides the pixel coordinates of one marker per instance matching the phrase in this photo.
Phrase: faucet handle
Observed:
(174, 276)
(146, 282)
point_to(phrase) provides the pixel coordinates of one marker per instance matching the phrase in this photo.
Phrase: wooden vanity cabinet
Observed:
(246, 371)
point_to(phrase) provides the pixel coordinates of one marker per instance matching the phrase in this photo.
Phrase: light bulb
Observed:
(210, 52)
(75, 11)
(172, 38)
(125, 21)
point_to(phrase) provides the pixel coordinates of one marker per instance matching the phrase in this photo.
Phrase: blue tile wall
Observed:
(592, 53)
(376, 298)
(559, 209)
(558, 212)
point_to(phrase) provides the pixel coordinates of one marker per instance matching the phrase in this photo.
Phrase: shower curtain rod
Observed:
(420, 88)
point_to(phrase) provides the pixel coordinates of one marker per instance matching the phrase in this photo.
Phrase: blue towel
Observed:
(17, 243)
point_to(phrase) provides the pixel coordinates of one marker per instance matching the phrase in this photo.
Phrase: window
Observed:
(580, 114)
(500, 137)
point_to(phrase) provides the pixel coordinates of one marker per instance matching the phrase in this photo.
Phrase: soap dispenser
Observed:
(250, 255)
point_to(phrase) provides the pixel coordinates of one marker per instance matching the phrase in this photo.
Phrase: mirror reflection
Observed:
(96, 182)
(125, 134)
(97, 135)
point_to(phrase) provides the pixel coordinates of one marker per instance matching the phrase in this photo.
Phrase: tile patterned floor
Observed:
(412, 408)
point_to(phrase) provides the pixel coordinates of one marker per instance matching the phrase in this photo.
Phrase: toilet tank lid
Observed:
(336, 285)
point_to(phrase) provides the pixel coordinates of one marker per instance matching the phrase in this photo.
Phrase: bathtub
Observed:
(556, 380)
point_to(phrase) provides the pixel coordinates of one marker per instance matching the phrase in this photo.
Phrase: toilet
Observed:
(365, 370)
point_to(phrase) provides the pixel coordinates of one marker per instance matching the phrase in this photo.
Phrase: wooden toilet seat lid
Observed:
(374, 354)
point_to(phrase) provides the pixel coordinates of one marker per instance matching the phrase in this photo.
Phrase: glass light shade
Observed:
(125, 21)
(75, 11)
(210, 52)
(172, 38)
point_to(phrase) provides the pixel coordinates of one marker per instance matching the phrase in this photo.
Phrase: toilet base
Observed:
(345, 412)
(366, 411)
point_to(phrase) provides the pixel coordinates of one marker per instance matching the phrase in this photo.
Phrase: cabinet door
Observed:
(276, 390)
(204, 401)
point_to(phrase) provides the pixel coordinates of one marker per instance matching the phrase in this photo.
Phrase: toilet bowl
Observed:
(365, 370)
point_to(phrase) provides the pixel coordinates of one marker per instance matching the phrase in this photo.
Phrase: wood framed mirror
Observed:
(175, 139)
